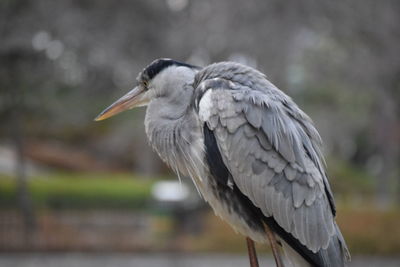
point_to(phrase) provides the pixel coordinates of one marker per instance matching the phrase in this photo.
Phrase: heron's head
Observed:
(162, 78)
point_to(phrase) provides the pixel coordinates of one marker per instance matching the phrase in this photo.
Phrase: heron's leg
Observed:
(252, 253)
(274, 246)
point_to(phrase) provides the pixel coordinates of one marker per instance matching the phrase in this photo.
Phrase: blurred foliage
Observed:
(81, 190)
(369, 230)
(350, 182)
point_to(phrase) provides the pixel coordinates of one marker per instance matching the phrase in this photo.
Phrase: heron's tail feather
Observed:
(335, 255)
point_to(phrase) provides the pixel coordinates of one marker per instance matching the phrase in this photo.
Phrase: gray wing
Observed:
(272, 151)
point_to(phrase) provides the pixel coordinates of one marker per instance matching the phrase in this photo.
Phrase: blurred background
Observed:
(70, 186)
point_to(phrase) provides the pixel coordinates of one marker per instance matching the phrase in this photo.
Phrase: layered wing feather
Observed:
(272, 151)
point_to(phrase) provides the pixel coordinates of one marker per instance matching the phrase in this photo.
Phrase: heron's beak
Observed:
(134, 98)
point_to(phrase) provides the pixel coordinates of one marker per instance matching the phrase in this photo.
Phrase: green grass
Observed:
(81, 190)
(367, 229)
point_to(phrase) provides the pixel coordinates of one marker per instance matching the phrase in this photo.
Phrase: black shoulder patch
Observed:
(160, 64)
(214, 159)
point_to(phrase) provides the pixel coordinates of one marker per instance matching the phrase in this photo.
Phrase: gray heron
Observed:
(251, 152)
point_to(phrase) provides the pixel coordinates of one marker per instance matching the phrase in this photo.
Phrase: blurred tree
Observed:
(14, 83)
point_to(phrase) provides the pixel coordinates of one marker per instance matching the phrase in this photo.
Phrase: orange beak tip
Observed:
(98, 118)
(102, 116)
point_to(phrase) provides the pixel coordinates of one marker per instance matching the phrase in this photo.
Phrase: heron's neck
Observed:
(171, 128)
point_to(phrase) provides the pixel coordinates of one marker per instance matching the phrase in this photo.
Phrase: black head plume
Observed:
(158, 65)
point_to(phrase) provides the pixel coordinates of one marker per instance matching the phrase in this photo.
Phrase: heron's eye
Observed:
(146, 84)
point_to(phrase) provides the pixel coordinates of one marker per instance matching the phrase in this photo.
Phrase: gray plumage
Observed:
(282, 174)
(269, 149)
